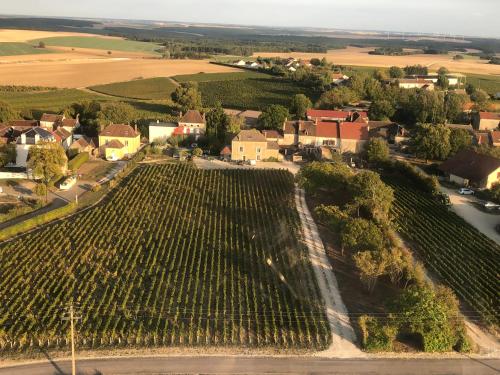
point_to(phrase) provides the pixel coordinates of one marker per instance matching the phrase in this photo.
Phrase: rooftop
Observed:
(471, 165)
(119, 131)
(192, 117)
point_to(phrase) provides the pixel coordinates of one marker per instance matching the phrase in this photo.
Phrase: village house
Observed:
(118, 141)
(83, 144)
(225, 153)
(52, 122)
(469, 168)
(161, 131)
(252, 145)
(486, 120)
(64, 137)
(27, 140)
(193, 122)
(339, 78)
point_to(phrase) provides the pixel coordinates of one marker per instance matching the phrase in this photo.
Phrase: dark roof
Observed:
(192, 117)
(25, 123)
(252, 135)
(300, 127)
(119, 131)
(83, 142)
(43, 134)
(271, 134)
(470, 165)
(62, 133)
(69, 122)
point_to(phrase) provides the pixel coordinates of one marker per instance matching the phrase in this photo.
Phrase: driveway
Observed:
(463, 206)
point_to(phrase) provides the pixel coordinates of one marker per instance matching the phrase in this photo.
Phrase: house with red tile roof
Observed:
(193, 120)
(327, 115)
(52, 122)
(495, 138)
(486, 120)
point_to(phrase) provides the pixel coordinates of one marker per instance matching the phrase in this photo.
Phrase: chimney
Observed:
(157, 121)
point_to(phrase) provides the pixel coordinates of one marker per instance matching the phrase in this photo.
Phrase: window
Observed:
(241, 148)
(126, 143)
(257, 150)
(258, 157)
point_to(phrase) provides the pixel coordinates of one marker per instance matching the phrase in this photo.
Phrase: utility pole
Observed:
(71, 316)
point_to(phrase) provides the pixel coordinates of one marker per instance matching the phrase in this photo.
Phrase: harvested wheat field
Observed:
(360, 57)
(12, 35)
(84, 72)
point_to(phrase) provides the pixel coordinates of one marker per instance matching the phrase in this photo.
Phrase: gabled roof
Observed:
(354, 131)
(114, 143)
(23, 123)
(489, 116)
(83, 142)
(164, 124)
(273, 146)
(50, 117)
(495, 136)
(62, 134)
(119, 131)
(271, 134)
(43, 135)
(226, 151)
(192, 117)
(69, 122)
(470, 165)
(299, 127)
(252, 135)
(321, 113)
(325, 129)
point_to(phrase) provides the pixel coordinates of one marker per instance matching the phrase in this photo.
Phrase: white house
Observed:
(160, 131)
(27, 139)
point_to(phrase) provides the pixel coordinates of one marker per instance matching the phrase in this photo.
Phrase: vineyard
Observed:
(145, 89)
(452, 249)
(174, 256)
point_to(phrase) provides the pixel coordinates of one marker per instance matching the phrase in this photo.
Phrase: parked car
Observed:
(490, 205)
(465, 191)
(68, 183)
(252, 162)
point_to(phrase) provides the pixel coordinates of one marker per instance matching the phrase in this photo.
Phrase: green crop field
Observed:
(209, 77)
(14, 49)
(53, 100)
(488, 83)
(112, 44)
(452, 249)
(252, 93)
(152, 88)
(174, 256)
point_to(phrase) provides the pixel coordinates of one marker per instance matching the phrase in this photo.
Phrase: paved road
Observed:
(260, 365)
(483, 221)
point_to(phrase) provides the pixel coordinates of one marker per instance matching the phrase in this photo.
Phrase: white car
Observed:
(466, 191)
(490, 205)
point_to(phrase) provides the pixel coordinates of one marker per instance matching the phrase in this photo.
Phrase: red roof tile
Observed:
(354, 130)
(192, 117)
(321, 113)
(327, 129)
(489, 116)
(114, 143)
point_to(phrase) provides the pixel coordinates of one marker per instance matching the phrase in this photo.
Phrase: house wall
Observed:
(492, 179)
(488, 124)
(47, 125)
(131, 144)
(271, 153)
(248, 151)
(459, 180)
(67, 142)
(351, 145)
(160, 132)
(198, 128)
(22, 155)
(288, 140)
(114, 153)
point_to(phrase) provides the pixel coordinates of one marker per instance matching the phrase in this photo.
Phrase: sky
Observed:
(458, 17)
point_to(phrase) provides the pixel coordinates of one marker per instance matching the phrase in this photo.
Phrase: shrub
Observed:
(197, 152)
(376, 336)
(429, 184)
(78, 161)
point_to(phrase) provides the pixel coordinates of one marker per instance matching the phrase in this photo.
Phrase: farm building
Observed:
(118, 141)
(161, 131)
(470, 168)
(253, 145)
(193, 120)
(27, 139)
(415, 83)
(250, 117)
(486, 120)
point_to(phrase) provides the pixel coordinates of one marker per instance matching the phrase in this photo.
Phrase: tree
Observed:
(357, 83)
(427, 106)
(396, 72)
(372, 194)
(318, 175)
(332, 216)
(41, 190)
(371, 265)
(470, 88)
(115, 113)
(299, 106)
(430, 314)
(453, 106)
(87, 112)
(315, 61)
(8, 154)
(416, 70)
(337, 97)
(380, 75)
(443, 71)
(360, 234)
(7, 112)
(47, 161)
(236, 123)
(432, 141)
(377, 150)
(197, 152)
(481, 100)
(381, 109)
(443, 81)
(273, 117)
(41, 44)
(459, 139)
(187, 96)
(217, 122)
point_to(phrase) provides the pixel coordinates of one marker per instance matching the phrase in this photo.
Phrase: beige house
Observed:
(194, 121)
(486, 120)
(469, 168)
(253, 145)
(51, 122)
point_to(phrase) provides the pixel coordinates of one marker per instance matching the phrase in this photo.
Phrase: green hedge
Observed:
(36, 221)
(78, 161)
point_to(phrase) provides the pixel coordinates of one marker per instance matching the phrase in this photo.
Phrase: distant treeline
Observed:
(194, 41)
